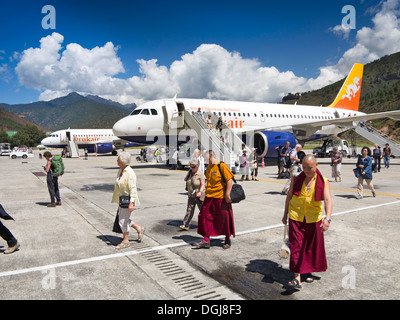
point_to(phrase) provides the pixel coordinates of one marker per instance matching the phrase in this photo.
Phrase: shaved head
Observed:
(311, 158)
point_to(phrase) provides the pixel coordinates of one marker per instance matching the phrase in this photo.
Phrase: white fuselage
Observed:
(85, 138)
(239, 116)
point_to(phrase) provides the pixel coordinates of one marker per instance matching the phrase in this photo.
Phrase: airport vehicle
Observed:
(5, 149)
(327, 147)
(21, 154)
(263, 126)
(94, 140)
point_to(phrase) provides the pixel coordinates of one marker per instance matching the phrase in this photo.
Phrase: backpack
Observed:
(287, 163)
(57, 165)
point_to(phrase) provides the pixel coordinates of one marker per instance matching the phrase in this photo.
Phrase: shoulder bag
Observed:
(237, 192)
(124, 201)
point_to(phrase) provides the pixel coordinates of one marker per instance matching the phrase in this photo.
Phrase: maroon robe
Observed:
(216, 218)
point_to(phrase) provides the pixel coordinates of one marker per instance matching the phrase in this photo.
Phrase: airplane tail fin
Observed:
(349, 95)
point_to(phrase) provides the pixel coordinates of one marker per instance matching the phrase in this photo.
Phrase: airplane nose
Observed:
(121, 128)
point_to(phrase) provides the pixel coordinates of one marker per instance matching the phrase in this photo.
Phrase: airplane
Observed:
(98, 141)
(270, 124)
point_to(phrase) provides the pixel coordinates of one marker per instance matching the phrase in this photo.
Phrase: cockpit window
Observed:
(145, 112)
(135, 112)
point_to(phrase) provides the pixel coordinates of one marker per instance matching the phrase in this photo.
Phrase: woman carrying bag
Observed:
(195, 186)
(125, 194)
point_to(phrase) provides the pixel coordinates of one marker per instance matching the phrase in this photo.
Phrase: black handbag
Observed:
(124, 201)
(116, 226)
(237, 192)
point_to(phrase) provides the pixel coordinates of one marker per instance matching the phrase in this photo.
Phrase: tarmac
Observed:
(68, 252)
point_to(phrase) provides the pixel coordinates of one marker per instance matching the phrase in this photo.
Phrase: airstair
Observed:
(208, 138)
(378, 137)
(224, 146)
(224, 143)
(73, 148)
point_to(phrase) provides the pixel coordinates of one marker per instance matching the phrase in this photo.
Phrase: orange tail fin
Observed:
(349, 95)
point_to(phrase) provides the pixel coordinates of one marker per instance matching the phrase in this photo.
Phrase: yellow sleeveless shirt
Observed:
(304, 205)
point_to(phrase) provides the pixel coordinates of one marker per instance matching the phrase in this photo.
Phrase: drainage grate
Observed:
(39, 174)
(179, 278)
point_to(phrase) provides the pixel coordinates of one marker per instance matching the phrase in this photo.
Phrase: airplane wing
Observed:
(340, 122)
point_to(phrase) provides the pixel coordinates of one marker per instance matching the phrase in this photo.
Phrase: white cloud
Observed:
(210, 71)
(376, 42)
(341, 31)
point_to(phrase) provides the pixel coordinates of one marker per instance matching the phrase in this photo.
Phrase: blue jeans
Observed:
(7, 236)
(52, 185)
(386, 161)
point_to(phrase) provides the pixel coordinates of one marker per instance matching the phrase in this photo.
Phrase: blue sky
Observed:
(239, 50)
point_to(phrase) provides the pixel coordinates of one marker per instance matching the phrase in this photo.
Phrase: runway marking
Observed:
(162, 247)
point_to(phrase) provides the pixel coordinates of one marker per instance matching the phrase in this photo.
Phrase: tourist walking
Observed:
(295, 162)
(195, 186)
(254, 165)
(52, 169)
(377, 155)
(12, 243)
(244, 165)
(336, 163)
(364, 172)
(387, 152)
(125, 186)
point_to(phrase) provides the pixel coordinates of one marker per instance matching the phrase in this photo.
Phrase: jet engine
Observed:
(267, 141)
(103, 148)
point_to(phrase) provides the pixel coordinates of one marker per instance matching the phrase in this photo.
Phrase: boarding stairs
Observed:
(378, 137)
(73, 148)
(211, 140)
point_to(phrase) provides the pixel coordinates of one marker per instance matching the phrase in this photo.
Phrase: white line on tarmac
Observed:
(162, 247)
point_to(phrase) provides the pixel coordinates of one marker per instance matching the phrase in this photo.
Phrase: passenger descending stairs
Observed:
(379, 138)
(210, 139)
(73, 148)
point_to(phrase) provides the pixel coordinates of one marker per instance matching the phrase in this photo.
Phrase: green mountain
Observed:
(11, 122)
(380, 91)
(72, 111)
